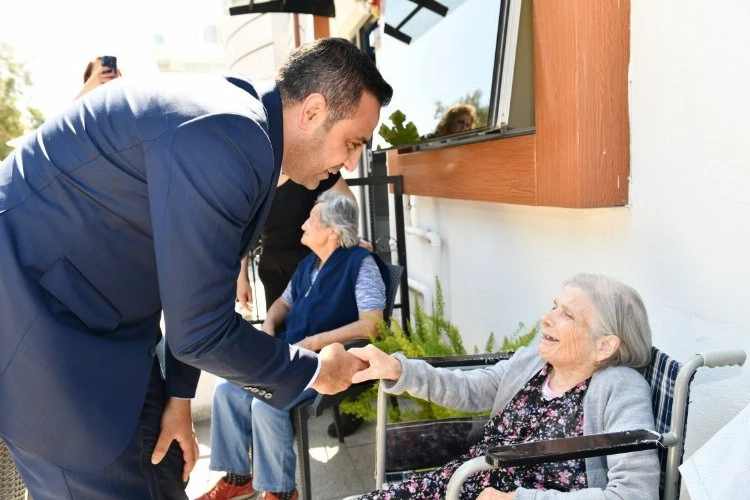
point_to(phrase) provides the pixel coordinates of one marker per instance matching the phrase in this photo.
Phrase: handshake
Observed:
(340, 368)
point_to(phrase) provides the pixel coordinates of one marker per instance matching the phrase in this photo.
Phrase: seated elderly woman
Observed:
(579, 378)
(337, 294)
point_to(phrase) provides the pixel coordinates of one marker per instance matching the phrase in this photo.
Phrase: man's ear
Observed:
(313, 112)
(608, 346)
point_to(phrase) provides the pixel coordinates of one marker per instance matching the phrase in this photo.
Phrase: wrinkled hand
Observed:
(380, 364)
(493, 494)
(177, 425)
(336, 369)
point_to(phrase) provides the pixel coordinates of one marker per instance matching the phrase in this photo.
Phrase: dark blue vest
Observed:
(330, 302)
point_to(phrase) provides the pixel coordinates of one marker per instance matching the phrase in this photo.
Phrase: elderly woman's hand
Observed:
(382, 366)
(493, 494)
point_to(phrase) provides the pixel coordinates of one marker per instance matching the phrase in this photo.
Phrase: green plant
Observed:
(430, 335)
(399, 134)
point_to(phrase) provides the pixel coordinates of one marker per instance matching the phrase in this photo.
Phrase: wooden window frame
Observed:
(579, 154)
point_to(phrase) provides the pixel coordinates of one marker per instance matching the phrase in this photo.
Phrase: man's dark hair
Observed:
(335, 68)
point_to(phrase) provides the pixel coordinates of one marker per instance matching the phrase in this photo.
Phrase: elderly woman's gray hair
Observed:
(620, 311)
(339, 212)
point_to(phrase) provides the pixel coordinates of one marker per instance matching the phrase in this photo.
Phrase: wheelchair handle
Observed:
(723, 357)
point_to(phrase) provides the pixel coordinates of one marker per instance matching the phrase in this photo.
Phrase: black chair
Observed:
(316, 406)
(670, 387)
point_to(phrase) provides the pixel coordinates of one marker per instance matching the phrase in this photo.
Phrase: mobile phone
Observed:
(110, 62)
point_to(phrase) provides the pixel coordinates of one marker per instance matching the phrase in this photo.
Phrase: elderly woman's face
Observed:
(316, 234)
(566, 340)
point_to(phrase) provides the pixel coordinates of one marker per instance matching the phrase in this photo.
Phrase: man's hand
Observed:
(177, 425)
(336, 369)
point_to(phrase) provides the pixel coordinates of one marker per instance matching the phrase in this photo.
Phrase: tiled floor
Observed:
(338, 470)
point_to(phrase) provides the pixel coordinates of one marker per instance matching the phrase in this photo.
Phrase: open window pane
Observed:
(445, 62)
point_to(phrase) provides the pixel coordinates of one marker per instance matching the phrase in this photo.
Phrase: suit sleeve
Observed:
(206, 181)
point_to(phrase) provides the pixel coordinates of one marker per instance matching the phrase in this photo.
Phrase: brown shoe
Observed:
(267, 495)
(222, 490)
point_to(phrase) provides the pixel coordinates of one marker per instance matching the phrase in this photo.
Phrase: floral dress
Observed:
(529, 416)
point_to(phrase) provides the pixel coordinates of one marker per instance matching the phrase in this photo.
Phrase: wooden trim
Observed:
(579, 156)
(500, 171)
(321, 27)
(296, 28)
(581, 54)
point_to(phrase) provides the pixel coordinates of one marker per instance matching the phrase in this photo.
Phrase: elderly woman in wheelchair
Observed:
(580, 377)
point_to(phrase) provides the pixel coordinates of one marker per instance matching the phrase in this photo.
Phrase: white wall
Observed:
(256, 44)
(684, 241)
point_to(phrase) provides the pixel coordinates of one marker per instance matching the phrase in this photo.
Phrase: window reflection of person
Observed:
(458, 118)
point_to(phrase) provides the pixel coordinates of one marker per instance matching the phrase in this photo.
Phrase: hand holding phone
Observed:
(110, 62)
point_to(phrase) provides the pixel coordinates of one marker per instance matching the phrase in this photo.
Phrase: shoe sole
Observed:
(245, 497)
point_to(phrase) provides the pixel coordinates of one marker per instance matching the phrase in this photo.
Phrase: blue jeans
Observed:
(236, 419)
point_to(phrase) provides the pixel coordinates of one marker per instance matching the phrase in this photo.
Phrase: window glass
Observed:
(449, 60)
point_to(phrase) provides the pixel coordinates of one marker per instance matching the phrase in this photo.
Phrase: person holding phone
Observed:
(99, 71)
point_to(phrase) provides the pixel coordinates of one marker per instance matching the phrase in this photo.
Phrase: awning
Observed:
(324, 8)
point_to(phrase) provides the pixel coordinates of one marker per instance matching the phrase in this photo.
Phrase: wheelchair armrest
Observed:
(467, 360)
(556, 450)
(553, 450)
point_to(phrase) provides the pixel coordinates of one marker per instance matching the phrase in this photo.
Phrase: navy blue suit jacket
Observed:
(136, 199)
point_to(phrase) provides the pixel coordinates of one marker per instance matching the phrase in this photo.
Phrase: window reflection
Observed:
(448, 61)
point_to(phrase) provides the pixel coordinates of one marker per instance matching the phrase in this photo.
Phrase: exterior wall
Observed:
(256, 44)
(682, 241)
(350, 16)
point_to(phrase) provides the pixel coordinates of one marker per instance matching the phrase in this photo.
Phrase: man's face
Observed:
(317, 153)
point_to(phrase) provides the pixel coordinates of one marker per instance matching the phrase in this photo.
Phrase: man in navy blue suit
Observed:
(138, 200)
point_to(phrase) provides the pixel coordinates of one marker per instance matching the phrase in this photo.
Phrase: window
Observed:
(452, 64)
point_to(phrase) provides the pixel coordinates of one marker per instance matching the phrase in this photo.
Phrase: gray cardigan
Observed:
(618, 399)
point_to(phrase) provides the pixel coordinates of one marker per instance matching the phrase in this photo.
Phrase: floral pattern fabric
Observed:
(530, 416)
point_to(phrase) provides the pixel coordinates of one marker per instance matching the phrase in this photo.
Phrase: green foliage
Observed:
(431, 335)
(516, 340)
(16, 117)
(399, 134)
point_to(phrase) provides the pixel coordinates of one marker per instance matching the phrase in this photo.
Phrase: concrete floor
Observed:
(338, 470)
